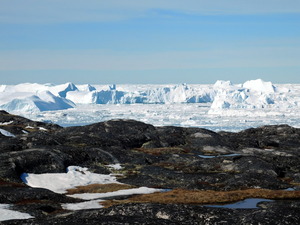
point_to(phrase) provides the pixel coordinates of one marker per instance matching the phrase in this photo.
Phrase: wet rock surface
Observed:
(160, 157)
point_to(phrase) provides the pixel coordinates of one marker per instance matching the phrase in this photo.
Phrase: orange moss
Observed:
(160, 151)
(180, 196)
(10, 184)
(98, 188)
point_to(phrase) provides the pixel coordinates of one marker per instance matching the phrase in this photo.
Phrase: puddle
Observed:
(215, 156)
(249, 203)
(290, 189)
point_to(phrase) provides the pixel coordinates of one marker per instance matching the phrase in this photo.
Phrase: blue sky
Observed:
(142, 41)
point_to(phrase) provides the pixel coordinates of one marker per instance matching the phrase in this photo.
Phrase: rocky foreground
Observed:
(198, 167)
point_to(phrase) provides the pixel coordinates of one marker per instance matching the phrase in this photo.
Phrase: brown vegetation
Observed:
(160, 151)
(5, 183)
(98, 188)
(180, 196)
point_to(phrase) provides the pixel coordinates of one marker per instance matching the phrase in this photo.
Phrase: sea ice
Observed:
(222, 106)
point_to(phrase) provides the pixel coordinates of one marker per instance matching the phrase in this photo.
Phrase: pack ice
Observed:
(168, 104)
(222, 95)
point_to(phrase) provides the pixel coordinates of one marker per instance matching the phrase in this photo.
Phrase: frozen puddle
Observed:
(215, 156)
(290, 189)
(6, 133)
(249, 203)
(7, 214)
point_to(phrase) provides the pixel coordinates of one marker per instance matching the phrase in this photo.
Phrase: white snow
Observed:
(94, 204)
(115, 166)
(60, 182)
(6, 133)
(140, 190)
(78, 176)
(6, 123)
(95, 198)
(7, 214)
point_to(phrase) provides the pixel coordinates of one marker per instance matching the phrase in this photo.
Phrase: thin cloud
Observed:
(57, 11)
(130, 61)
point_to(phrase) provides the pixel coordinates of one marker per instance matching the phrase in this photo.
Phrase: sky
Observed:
(149, 41)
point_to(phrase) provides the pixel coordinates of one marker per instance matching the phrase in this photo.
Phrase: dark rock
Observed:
(171, 214)
(123, 133)
(273, 136)
(20, 195)
(13, 164)
(163, 157)
(17, 125)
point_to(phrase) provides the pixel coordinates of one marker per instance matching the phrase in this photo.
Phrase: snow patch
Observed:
(6, 123)
(60, 182)
(115, 166)
(133, 191)
(7, 214)
(6, 133)
(94, 204)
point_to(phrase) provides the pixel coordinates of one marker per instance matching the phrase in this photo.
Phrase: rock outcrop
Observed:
(169, 158)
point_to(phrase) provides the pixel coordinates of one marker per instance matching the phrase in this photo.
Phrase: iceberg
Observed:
(33, 97)
(254, 94)
(43, 101)
(222, 105)
(63, 89)
(260, 86)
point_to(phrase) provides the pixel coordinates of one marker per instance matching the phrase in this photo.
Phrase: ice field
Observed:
(219, 106)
